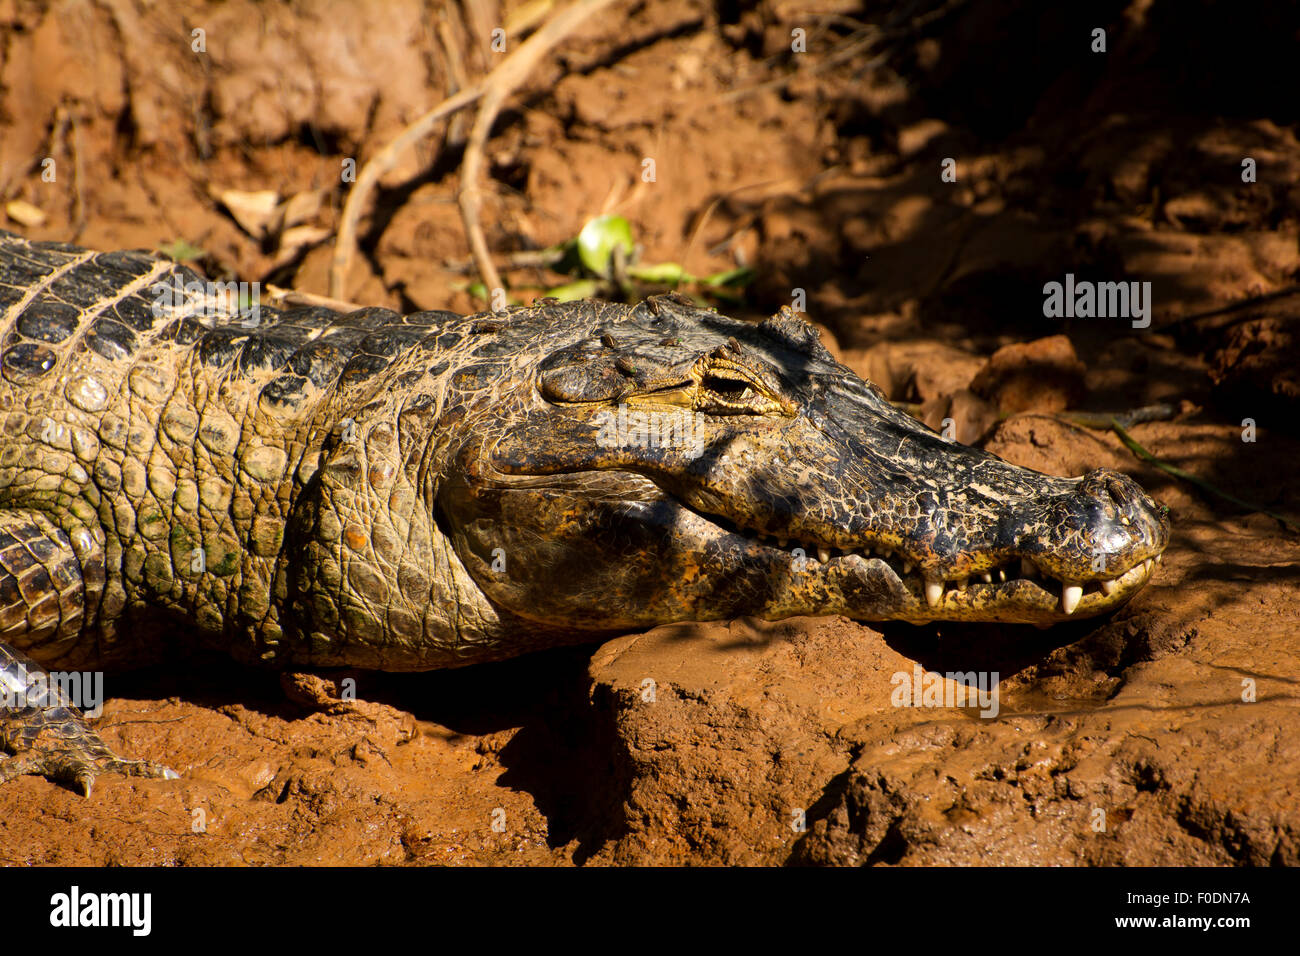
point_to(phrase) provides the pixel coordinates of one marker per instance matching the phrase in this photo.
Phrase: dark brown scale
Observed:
(488, 349)
(361, 367)
(21, 273)
(27, 361)
(48, 321)
(112, 340)
(86, 282)
(222, 346)
(185, 331)
(286, 389)
(270, 351)
(276, 325)
(351, 327)
(391, 340)
(135, 314)
(473, 378)
(343, 336)
(127, 264)
(321, 361)
(309, 317)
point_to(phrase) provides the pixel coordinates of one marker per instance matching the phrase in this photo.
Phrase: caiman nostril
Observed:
(1119, 490)
(1104, 483)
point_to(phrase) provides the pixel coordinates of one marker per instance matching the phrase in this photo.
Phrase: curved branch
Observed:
(493, 90)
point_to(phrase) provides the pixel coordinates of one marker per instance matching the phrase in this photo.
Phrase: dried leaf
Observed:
(24, 213)
(294, 240)
(297, 209)
(253, 211)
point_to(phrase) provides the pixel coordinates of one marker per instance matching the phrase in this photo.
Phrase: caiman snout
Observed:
(1105, 532)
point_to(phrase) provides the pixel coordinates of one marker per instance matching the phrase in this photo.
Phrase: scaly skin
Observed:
(433, 490)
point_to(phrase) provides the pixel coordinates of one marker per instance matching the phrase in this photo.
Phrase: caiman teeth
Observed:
(933, 588)
(1071, 595)
(1071, 592)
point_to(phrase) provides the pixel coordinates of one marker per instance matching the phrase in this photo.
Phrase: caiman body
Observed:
(311, 488)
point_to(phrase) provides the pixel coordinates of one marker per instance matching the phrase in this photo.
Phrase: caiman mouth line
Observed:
(1000, 581)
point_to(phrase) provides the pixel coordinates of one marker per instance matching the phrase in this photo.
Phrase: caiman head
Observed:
(664, 463)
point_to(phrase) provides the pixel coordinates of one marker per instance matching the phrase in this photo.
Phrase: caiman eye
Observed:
(728, 389)
(724, 395)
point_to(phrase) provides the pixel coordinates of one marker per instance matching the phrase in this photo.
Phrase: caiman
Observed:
(307, 488)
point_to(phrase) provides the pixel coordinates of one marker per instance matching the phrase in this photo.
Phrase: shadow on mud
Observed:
(963, 646)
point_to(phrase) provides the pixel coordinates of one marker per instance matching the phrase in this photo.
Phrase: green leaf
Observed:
(598, 240)
(722, 294)
(572, 291)
(668, 273)
(181, 251)
(742, 276)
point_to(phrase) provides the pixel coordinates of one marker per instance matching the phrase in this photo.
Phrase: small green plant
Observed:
(181, 251)
(602, 261)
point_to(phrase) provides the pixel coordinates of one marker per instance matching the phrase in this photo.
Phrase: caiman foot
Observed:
(50, 738)
(56, 743)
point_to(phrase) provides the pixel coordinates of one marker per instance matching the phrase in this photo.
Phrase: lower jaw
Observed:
(870, 589)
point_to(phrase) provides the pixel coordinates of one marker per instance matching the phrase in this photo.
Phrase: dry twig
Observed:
(346, 242)
(284, 298)
(499, 84)
(492, 90)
